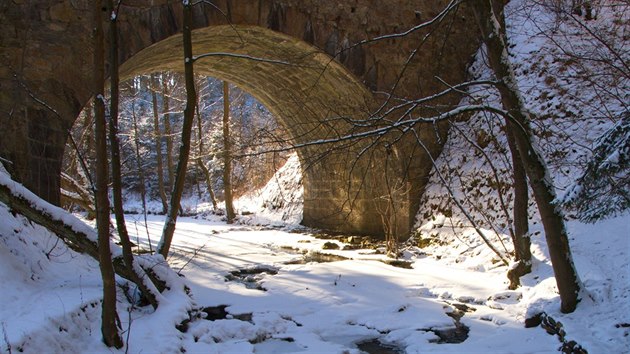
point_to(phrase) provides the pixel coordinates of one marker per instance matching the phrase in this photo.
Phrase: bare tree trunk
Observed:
(115, 154)
(520, 237)
(520, 233)
(109, 329)
(200, 163)
(489, 15)
(227, 160)
(158, 144)
(167, 133)
(184, 151)
(114, 143)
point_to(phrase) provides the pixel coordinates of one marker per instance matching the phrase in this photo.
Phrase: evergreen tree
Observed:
(603, 190)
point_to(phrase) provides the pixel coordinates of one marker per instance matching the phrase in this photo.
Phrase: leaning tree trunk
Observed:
(520, 234)
(539, 178)
(109, 329)
(184, 151)
(227, 159)
(77, 236)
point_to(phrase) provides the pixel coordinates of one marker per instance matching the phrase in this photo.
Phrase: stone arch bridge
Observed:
(311, 75)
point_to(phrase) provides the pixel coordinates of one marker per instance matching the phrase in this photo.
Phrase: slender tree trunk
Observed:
(167, 133)
(115, 155)
(184, 151)
(489, 15)
(109, 329)
(521, 237)
(114, 143)
(227, 152)
(200, 163)
(158, 144)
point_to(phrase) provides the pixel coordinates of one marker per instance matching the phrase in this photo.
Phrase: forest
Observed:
(180, 227)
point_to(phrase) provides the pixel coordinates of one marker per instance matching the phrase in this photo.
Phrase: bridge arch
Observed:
(311, 94)
(45, 68)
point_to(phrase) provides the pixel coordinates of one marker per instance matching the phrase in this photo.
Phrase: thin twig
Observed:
(195, 253)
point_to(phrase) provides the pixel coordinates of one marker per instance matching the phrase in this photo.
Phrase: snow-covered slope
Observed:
(576, 97)
(280, 200)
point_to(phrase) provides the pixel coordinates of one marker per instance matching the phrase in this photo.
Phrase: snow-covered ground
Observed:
(50, 297)
(259, 289)
(266, 291)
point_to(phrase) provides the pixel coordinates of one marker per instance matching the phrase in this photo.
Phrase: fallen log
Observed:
(78, 236)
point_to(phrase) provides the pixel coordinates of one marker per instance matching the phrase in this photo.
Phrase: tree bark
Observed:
(158, 144)
(520, 234)
(489, 15)
(520, 237)
(109, 329)
(227, 159)
(184, 151)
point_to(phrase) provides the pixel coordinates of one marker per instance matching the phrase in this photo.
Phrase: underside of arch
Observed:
(312, 95)
(303, 86)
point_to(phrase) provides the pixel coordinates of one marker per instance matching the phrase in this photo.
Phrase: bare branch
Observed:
(243, 56)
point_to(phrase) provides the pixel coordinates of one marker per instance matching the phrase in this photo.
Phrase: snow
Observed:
(51, 294)
(43, 282)
(280, 201)
(50, 299)
(50, 304)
